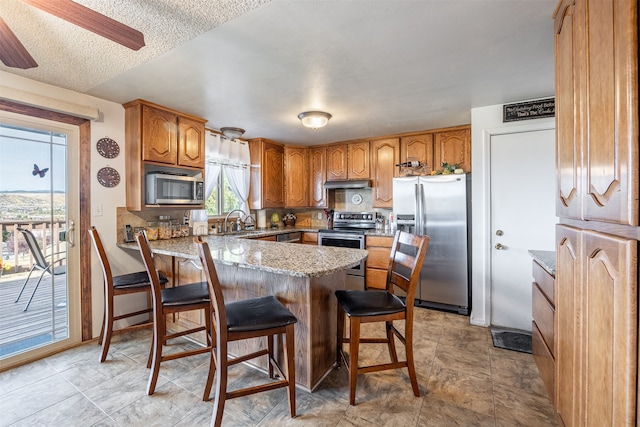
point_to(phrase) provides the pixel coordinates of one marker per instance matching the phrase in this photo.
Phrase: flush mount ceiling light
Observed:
(232, 133)
(314, 119)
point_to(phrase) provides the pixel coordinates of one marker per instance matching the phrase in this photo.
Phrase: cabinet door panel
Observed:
(318, 176)
(159, 136)
(453, 147)
(190, 143)
(273, 176)
(418, 147)
(384, 154)
(296, 173)
(336, 162)
(358, 160)
(612, 114)
(610, 329)
(568, 139)
(567, 336)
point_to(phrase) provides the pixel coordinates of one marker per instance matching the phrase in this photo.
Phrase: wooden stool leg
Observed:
(107, 331)
(391, 344)
(340, 334)
(291, 370)
(354, 343)
(158, 339)
(410, 363)
(221, 383)
(271, 355)
(212, 361)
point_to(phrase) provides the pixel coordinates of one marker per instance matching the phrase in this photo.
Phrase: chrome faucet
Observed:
(239, 221)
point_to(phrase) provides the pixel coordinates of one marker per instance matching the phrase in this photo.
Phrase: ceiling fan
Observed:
(14, 54)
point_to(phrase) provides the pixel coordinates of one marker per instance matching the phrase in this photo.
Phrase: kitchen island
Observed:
(302, 277)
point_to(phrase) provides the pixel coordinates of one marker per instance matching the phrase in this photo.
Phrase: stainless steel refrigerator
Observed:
(438, 206)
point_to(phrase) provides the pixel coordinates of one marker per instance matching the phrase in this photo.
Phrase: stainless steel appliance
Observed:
(169, 189)
(295, 237)
(439, 207)
(349, 232)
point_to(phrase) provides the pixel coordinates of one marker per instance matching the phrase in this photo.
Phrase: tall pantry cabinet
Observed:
(597, 236)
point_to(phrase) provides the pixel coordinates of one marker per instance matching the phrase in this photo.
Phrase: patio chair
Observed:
(41, 263)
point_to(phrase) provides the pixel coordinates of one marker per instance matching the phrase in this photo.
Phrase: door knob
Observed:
(500, 247)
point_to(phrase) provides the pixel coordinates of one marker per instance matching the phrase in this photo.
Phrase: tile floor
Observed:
(464, 381)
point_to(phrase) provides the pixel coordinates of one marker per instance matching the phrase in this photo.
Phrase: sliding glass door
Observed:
(39, 279)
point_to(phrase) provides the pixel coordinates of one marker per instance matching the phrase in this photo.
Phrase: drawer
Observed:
(544, 361)
(382, 241)
(544, 315)
(376, 279)
(545, 281)
(378, 258)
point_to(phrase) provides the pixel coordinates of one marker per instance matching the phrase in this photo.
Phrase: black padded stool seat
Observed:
(192, 293)
(257, 314)
(138, 279)
(369, 303)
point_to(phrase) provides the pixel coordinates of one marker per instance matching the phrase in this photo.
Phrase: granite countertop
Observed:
(546, 259)
(290, 259)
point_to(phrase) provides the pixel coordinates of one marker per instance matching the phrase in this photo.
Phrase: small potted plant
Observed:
(289, 219)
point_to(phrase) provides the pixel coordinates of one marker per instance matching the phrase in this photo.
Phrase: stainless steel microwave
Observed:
(167, 189)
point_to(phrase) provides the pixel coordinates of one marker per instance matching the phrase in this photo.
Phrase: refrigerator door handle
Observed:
(417, 209)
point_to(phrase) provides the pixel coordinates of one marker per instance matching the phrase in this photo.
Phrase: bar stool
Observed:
(252, 318)
(194, 296)
(119, 285)
(405, 263)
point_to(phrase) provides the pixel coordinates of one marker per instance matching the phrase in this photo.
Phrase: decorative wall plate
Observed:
(108, 148)
(108, 177)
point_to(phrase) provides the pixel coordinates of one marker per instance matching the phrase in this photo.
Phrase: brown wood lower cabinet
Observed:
(379, 248)
(597, 330)
(310, 238)
(543, 326)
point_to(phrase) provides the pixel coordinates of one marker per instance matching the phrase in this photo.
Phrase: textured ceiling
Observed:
(378, 66)
(74, 58)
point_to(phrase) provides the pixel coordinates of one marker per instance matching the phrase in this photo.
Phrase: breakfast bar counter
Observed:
(302, 277)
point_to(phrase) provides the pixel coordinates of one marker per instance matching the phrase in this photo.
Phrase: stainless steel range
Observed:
(348, 232)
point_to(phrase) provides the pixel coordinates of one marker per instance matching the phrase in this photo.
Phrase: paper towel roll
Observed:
(262, 219)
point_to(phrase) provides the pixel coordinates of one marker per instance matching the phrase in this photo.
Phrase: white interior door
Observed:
(522, 219)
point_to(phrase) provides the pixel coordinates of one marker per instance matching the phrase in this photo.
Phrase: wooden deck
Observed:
(44, 322)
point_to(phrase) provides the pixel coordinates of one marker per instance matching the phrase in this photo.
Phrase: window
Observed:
(222, 198)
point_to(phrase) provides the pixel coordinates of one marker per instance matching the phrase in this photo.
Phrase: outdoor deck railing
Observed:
(16, 256)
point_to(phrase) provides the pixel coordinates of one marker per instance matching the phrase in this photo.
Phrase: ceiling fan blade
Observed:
(91, 20)
(12, 53)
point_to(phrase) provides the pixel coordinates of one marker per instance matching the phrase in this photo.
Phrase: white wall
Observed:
(111, 124)
(487, 121)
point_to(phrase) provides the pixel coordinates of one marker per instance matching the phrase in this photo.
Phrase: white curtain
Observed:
(233, 156)
(238, 172)
(211, 173)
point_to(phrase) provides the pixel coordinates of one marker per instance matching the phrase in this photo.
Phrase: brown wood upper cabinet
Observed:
(418, 147)
(348, 161)
(453, 146)
(296, 172)
(267, 174)
(158, 135)
(448, 145)
(317, 177)
(385, 154)
(597, 147)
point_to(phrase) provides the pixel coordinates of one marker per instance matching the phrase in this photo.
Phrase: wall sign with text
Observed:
(529, 110)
